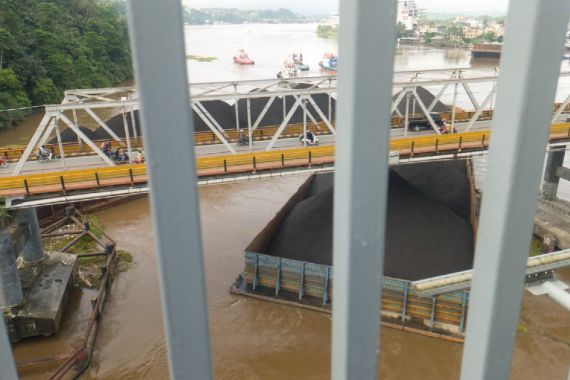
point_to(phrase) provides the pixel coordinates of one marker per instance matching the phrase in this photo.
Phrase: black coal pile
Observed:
(277, 110)
(69, 136)
(424, 237)
(445, 181)
(426, 97)
(222, 112)
(117, 125)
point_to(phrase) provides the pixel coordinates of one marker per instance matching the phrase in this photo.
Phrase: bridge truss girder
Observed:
(406, 82)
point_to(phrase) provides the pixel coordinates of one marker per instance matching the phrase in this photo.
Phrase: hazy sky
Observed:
(327, 6)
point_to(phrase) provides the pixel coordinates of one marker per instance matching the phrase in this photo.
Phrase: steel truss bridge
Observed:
(460, 89)
(273, 149)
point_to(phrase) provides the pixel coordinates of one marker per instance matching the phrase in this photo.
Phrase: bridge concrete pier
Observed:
(32, 251)
(10, 286)
(554, 162)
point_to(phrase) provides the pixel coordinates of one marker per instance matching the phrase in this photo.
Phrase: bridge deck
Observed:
(219, 165)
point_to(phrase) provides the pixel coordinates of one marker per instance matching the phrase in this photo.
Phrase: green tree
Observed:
(400, 28)
(12, 95)
(455, 31)
(54, 45)
(6, 40)
(489, 36)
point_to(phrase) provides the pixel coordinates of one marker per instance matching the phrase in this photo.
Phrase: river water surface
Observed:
(253, 339)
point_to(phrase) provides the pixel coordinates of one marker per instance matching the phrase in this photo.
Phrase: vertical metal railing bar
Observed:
(7, 366)
(157, 38)
(529, 73)
(366, 48)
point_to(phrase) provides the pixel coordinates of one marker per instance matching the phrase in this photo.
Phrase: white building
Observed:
(334, 20)
(408, 13)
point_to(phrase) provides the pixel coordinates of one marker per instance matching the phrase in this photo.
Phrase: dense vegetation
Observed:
(327, 31)
(48, 46)
(206, 16)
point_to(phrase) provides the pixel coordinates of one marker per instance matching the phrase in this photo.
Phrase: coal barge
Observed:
(431, 229)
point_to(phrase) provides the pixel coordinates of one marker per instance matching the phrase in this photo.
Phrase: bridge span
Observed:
(46, 188)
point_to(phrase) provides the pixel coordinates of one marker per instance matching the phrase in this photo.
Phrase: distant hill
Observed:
(205, 16)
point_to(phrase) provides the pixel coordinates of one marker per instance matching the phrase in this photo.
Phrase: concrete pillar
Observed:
(554, 160)
(10, 286)
(33, 250)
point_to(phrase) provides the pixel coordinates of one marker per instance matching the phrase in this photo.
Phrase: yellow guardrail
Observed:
(13, 153)
(110, 176)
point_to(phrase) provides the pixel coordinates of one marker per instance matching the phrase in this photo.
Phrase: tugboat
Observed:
(328, 63)
(293, 67)
(242, 58)
(298, 61)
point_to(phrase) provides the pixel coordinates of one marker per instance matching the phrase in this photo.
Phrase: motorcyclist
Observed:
(115, 153)
(140, 157)
(44, 153)
(242, 139)
(310, 137)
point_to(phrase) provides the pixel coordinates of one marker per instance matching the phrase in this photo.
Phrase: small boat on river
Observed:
(293, 67)
(241, 58)
(329, 63)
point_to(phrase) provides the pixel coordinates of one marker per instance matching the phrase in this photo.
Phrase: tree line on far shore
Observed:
(47, 47)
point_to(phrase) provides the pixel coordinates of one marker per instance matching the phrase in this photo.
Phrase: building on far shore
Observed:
(335, 19)
(408, 14)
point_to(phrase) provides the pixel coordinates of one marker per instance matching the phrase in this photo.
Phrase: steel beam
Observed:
(398, 100)
(470, 94)
(210, 117)
(262, 113)
(212, 128)
(283, 124)
(480, 110)
(87, 140)
(321, 115)
(127, 136)
(160, 67)
(560, 109)
(530, 64)
(59, 143)
(32, 144)
(47, 132)
(437, 97)
(365, 91)
(305, 110)
(103, 125)
(426, 112)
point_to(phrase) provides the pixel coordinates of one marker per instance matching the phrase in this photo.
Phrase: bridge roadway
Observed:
(87, 161)
(89, 177)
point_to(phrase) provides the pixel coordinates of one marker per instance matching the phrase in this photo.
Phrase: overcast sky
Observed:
(327, 6)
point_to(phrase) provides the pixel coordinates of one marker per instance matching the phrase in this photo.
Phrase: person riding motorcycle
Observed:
(310, 137)
(44, 153)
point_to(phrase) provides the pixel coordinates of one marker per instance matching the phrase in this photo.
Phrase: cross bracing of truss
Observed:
(455, 84)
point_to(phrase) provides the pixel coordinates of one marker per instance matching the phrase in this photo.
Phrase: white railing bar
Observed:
(157, 38)
(526, 88)
(365, 97)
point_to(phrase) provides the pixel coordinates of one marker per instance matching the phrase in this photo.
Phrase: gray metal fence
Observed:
(529, 70)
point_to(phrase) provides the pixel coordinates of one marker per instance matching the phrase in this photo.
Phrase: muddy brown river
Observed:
(254, 339)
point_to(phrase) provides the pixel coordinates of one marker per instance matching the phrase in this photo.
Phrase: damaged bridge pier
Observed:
(35, 284)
